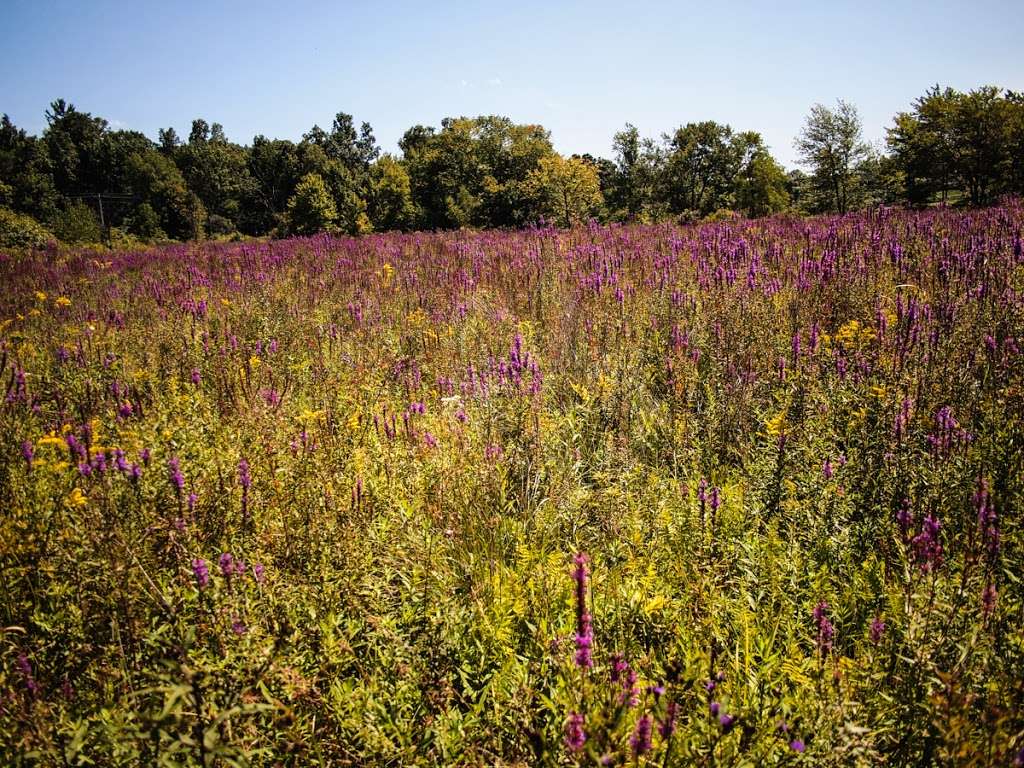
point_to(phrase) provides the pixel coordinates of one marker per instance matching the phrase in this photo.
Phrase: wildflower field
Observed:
(733, 494)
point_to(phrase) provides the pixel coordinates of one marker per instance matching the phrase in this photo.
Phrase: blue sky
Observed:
(582, 69)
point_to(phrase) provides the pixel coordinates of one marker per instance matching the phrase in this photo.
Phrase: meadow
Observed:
(730, 494)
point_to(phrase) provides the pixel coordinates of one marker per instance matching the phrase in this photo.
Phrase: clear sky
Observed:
(582, 69)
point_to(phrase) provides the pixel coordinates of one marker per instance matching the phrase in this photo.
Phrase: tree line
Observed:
(949, 147)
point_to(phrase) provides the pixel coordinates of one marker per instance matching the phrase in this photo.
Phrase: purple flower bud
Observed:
(876, 631)
(640, 741)
(25, 668)
(201, 572)
(575, 736)
(27, 453)
(177, 478)
(668, 726)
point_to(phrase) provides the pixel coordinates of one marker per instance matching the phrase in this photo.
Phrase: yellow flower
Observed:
(40, 296)
(254, 362)
(76, 498)
(63, 301)
(51, 439)
(776, 425)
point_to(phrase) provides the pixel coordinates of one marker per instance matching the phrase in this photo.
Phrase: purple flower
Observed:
(25, 668)
(826, 632)
(796, 745)
(227, 564)
(714, 708)
(727, 722)
(177, 479)
(988, 599)
(258, 572)
(988, 525)
(243, 474)
(27, 453)
(192, 499)
(876, 631)
(927, 547)
(668, 726)
(640, 741)
(584, 633)
(201, 572)
(575, 736)
(238, 627)
(196, 377)
(826, 470)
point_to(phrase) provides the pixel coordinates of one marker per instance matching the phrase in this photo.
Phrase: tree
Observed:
(761, 186)
(831, 145)
(275, 169)
(156, 180)
(26, 173)
(311, 209)
(702, 165)
(473, 172)
(568, 190)
(922, 146)
(217, 171)
(389, 204)
(74, 142)
(637, 163)
(980, 143)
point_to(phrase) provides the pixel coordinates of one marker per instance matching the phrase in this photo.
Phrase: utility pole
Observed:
(122, 198)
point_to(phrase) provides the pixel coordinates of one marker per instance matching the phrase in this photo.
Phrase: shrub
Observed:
(20, 231)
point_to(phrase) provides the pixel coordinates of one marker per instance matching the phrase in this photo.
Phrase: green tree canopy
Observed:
(311, 209)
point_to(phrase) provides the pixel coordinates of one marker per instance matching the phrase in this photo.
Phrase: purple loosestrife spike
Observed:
(989, 597)
(196, 377)
(876, 631)
(796, 745)
(25, 668)
(227, 564)
(201, 572)
(668, 726)
(727, 722)
(927, 547)
(585, 644)
(640, 741)
(714, 708)
(575, 736)
(826, 632)
(27, 453)
(177, 478)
